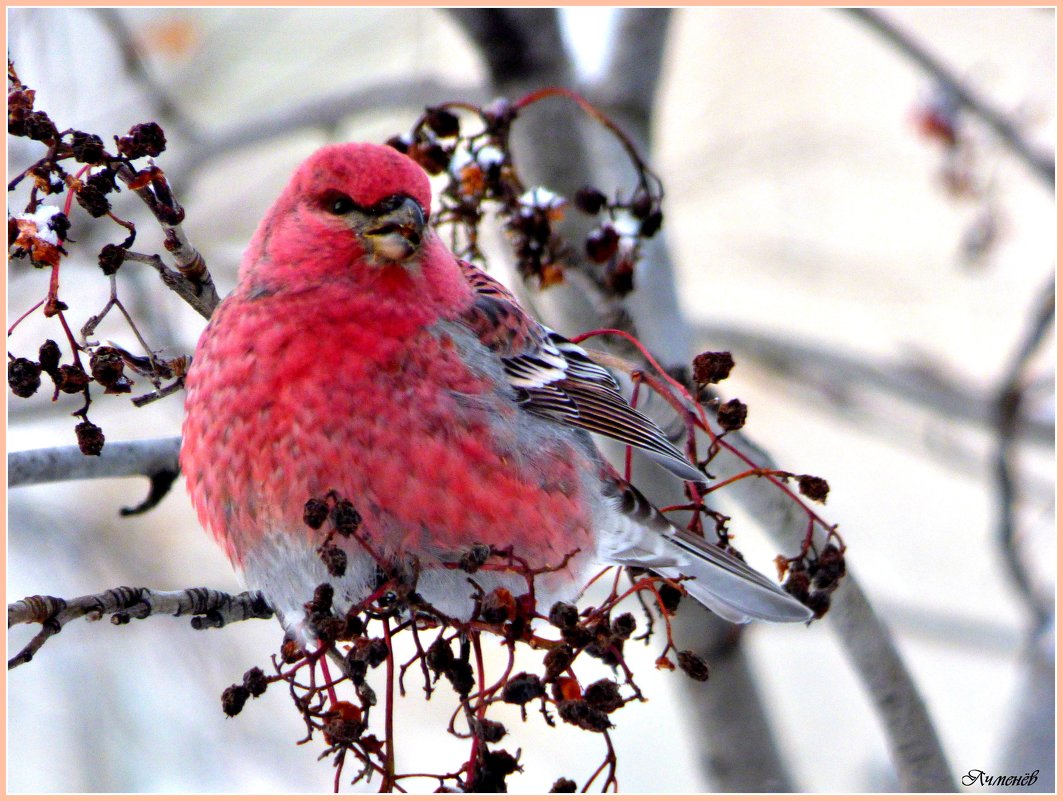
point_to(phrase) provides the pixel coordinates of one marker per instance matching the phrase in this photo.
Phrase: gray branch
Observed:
(321, 112)
(1041, 163)
(208, 608)
(1009, 407)
(119, 459)
(914, 744)
(838, 375)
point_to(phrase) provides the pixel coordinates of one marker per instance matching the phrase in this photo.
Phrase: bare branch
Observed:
(176, 282)
(148, 457)
(208, 608)
(838, 374)
(190, 264)
(320, 112)
(1008, 406)
(1042, 164)
(917, 752)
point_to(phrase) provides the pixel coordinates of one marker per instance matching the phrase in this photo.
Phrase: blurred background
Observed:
(875, 255)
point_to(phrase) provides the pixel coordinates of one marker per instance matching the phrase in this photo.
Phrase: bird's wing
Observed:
(640, 536)
(555, 378)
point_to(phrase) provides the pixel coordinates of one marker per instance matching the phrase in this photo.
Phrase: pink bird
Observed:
(357, 354)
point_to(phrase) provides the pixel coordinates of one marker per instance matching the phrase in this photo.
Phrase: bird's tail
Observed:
(641, 536)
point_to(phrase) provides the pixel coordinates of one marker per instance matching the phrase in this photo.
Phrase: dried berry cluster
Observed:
(480, 170)
(78, 163)
(360, 643)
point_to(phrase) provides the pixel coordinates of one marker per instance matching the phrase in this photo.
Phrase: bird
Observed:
(358, 356)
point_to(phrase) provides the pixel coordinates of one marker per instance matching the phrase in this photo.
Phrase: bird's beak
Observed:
(396, 235)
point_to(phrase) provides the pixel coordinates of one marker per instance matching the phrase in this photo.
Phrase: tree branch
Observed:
(1008, 407)
(208, 608)
(147, 457)
(916, 749)
(319, 112)
(1042, 164)
(190, 264)
(838, 374)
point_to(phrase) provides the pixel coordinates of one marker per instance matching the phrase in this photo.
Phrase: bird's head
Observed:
(362, 205)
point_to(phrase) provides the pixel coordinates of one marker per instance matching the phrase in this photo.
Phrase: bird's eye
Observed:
(340, 204)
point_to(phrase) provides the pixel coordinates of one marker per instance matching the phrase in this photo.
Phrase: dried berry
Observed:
(38, 126)
(87, 148)
(291, 652)
(652, 224)
(564, 616)
(589, 200)
(731, 415)
(602, 243)
(60, 223)
(619, 278)
(24, 377)
(146, 139)
(490, 731)
(474, 558)
(354, 626)
(320, 606)
(441, 122)
(431, 156)
(233, 699)
(580, 713)
(398, 143)
(624, 625)
(255, 682)
(49, 356)
(373, 652)
(315, 513)
(90, 438)
(498, 606)
(491, 771)
(557, 660)
(522, 689)
(501, 763)
(670, 597)
(343, 723)
(711, 367)
(93, 200)
(813, 487)
(72, 379)
(346, 518)
(797, 584)
(335, 559)
(819, 603)
(693, 665)
(577, 636)
(642, 205)
(563, 785)
(459, 674)
(830, 567)
(354, 668)
(108, 369)
(439, 655)
(604, 695)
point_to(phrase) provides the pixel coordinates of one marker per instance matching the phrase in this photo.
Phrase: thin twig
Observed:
(1042, 164)
(167, 211)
